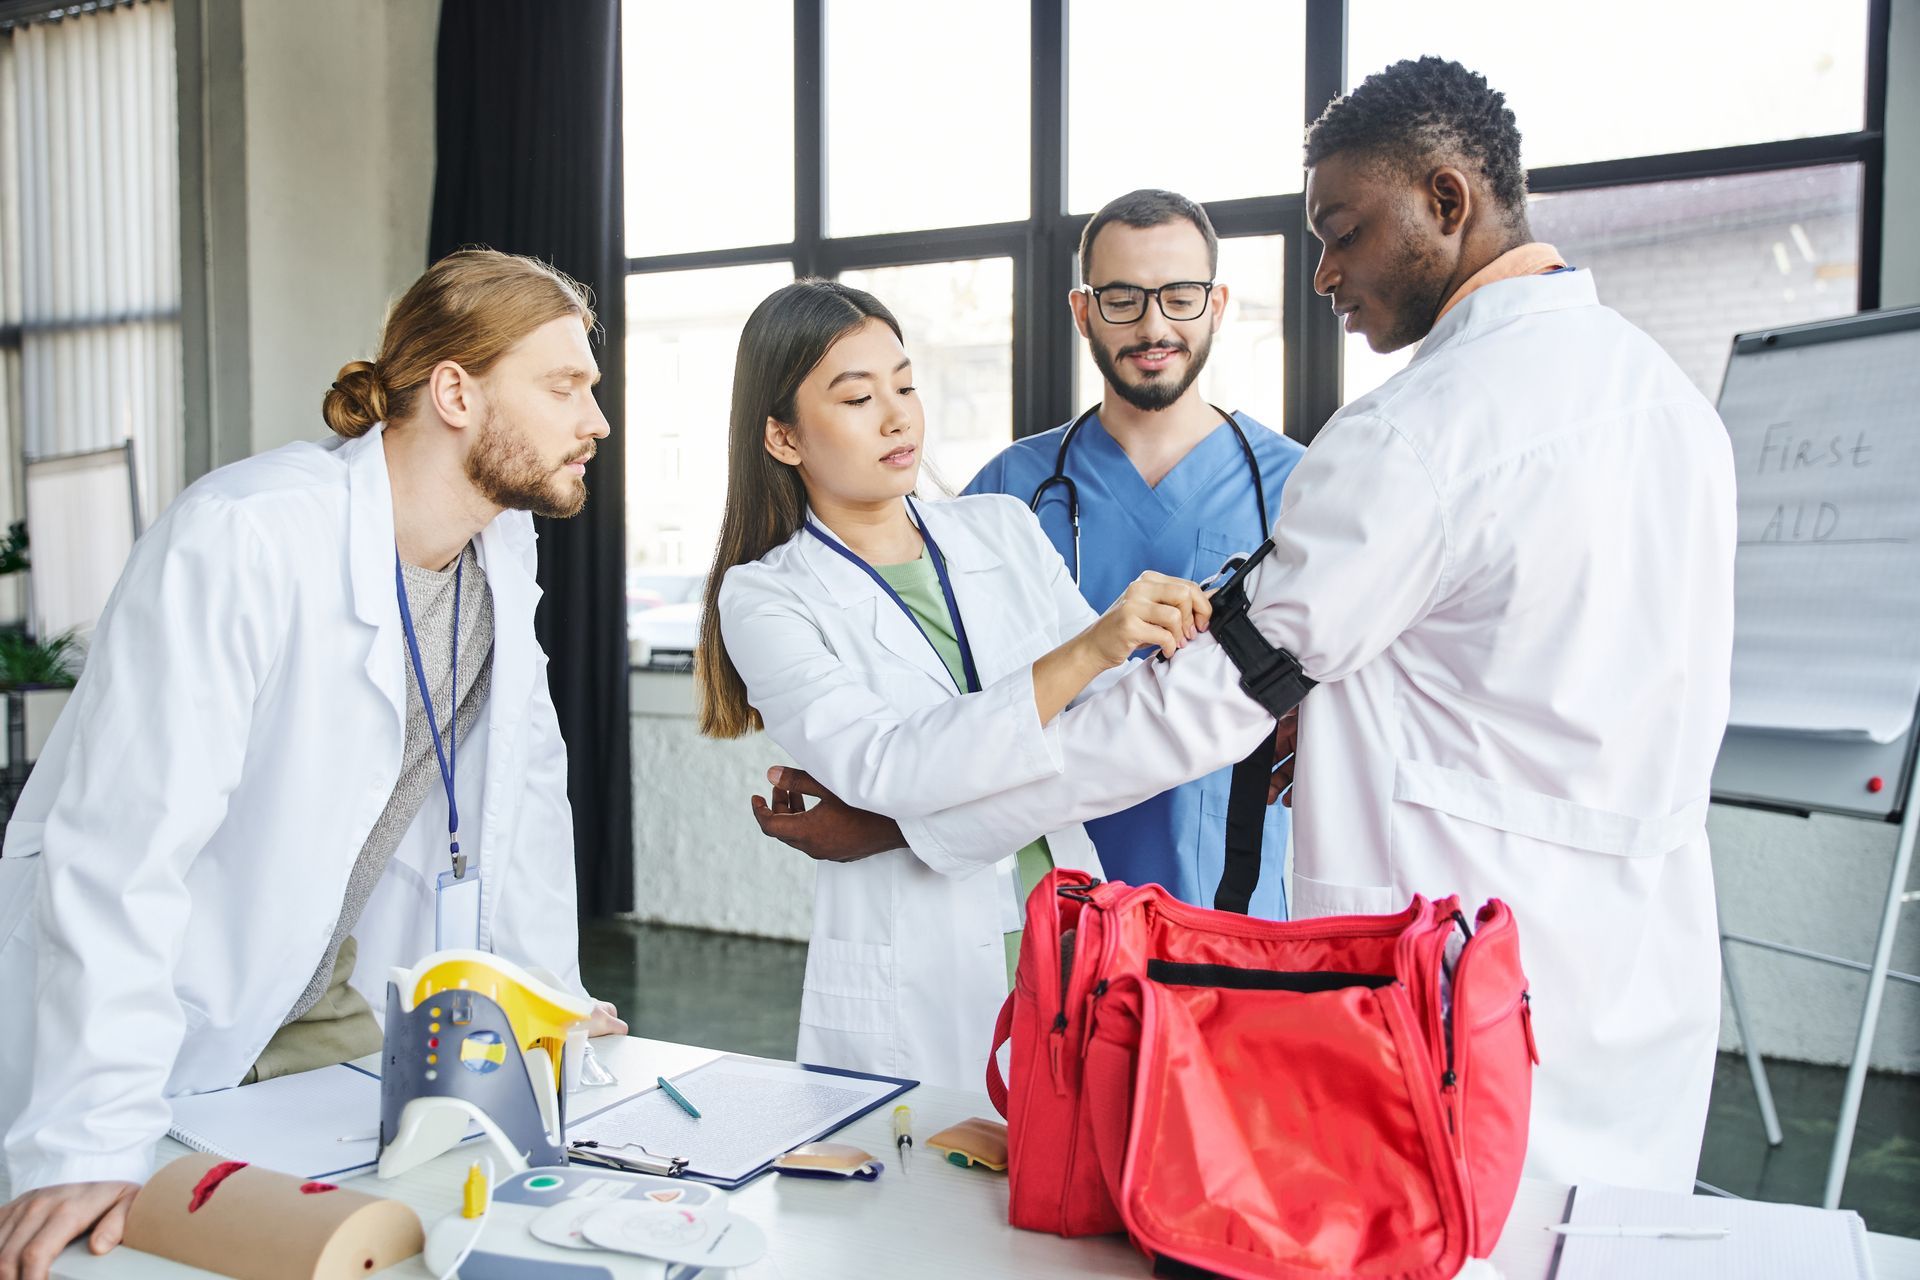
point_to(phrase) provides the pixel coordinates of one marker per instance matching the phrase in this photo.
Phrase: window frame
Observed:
(19, 13)
(1043, 245)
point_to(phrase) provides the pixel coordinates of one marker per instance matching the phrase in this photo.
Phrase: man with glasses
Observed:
(1156, 477)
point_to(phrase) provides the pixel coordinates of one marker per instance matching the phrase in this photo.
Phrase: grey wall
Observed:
(1817, 883)
(699, 858)
(307, 174)
(339, 186)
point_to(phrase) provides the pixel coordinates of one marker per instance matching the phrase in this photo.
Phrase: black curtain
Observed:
(528, 145)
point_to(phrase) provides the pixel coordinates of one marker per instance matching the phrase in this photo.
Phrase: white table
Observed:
(938, 1220)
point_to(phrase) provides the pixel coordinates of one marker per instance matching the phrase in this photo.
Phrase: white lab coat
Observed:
(177, 863)
(906, 967)
(1511, 569)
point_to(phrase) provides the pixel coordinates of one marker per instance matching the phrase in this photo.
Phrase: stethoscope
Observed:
(1060, 476)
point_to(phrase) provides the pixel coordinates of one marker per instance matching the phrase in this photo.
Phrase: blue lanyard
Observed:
(946, 589)
(449, 755)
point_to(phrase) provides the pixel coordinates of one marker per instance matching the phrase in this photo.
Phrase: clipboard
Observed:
(734, 1094)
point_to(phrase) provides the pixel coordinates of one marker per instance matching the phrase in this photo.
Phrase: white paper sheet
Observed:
(1826, 442)
(293, 1124)
(1765, 1241)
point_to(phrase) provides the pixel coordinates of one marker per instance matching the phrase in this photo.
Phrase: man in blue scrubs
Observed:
(1163, 483)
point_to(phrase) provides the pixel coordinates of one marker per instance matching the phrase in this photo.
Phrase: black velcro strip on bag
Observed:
(1167, 1268)
(1269, 674)
(1174, 974)
(1271, 677)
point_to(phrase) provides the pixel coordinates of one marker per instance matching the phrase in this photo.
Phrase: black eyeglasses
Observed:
(1125, 303)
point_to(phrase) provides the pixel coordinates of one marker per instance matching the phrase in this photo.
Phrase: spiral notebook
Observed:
(1764, 1241)
(294, 1124)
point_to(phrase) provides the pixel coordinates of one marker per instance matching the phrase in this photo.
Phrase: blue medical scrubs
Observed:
(1186, 526)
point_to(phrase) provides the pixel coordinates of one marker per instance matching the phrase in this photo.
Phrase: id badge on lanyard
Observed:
(456, 910)
(456, 893)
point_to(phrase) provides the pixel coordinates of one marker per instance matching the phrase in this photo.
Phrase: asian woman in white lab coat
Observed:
(910, 654)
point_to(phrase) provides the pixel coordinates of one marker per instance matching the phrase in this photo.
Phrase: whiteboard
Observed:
(1825, 425)
(82, 520)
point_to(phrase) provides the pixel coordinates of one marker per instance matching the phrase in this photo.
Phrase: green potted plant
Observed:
(29, 664)
(36, 676)
(13, 549)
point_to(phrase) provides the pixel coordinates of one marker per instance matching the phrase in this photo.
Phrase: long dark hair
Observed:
(785, 337)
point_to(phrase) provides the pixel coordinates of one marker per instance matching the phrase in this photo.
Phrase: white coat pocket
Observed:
(849, 987)
(19, 887)
(1548, 819)
(19, 891)
(1309, 899)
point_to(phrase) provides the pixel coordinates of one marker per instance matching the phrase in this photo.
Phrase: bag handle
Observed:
(1046, 976)
(1002, 1032)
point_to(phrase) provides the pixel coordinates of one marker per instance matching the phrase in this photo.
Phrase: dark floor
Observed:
(748, 999)
(1883, 1180)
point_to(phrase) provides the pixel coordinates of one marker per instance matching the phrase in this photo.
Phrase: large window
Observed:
(926, 115)
(1695, 261)
(1639, 77)
(89, 244)
(1738, 196)
(958, 317)
(1213, 114)
(680, 119)
(682, 328)
(1719, 175)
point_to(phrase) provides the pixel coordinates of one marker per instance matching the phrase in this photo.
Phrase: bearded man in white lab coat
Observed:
(1510, 569)
(248, 785)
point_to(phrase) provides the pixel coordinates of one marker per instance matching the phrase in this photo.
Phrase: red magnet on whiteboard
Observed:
(1876, 785)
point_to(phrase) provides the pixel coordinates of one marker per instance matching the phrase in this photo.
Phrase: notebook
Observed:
(1765, 1241)
(294, 1124)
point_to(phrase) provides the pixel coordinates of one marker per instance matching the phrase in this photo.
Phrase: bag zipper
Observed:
(1059, 1036)
(1109, 943)
(1459, 1184)
(1449, 1078)
(1525, 1003)
(1419, 955)
(1057, 1033)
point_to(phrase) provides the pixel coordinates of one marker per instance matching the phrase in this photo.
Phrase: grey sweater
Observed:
(430, 599)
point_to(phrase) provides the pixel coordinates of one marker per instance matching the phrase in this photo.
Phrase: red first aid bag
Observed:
(1344, 1096)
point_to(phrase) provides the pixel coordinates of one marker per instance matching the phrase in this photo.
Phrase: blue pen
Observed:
(678, 1097)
